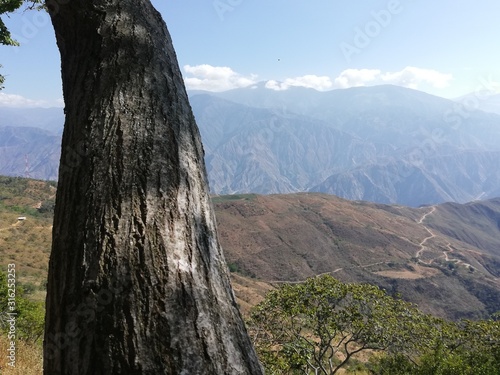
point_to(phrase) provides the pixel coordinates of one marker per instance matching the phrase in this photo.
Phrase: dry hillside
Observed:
(445, 258)
(287, 238)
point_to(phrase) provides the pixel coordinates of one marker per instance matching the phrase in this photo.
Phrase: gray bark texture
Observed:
(137, 279)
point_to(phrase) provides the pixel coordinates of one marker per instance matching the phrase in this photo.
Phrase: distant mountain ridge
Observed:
(384, 143)
(48, 119)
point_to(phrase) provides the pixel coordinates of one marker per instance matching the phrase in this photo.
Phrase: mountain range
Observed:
(384, 144)
(30, 142)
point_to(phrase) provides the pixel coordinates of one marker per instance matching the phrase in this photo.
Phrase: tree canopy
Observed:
(318, 326)
(7, 6)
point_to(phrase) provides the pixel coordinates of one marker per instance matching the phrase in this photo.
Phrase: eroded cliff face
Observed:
(137, 279)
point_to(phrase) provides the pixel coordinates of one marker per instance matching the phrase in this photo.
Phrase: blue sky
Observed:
(447, 47)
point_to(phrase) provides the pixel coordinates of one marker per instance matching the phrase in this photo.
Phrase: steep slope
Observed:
(386, 113)
(263, 151)
(474, 223)
(27, 150)
(30, 141)
(460, 176)
(26, 242)
(287, 238)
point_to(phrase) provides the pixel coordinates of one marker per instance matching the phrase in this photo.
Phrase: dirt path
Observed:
(419, 253)
(446, 253)
(447, 258)
(17, 223)
(433, 208)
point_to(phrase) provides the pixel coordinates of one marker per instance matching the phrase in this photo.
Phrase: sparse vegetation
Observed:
(21, 328)
(233, 267)
(225, 198)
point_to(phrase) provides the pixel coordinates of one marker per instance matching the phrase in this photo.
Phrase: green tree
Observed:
(463, 348)
(29, 315)
(8, 6)
(317, 326)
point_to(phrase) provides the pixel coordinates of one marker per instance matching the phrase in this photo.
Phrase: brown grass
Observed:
(249, 292)
(28, 358)
(418, 272)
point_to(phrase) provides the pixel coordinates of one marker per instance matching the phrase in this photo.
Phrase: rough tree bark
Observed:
(137, 280)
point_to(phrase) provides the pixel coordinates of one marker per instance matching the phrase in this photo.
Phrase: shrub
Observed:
(29, 315)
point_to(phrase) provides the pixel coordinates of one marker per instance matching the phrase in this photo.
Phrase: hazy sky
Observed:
(444, 47)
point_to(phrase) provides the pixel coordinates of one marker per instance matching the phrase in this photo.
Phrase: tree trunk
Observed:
(137, 280)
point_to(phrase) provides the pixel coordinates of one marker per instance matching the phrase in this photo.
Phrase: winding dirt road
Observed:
(446, 253)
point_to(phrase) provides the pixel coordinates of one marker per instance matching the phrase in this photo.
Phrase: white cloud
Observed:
(320, 83)
(18, 101)
(356, 77)
(215, 78)
(276, 86)
(410, 77)
(221, 78)
(413, 77)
